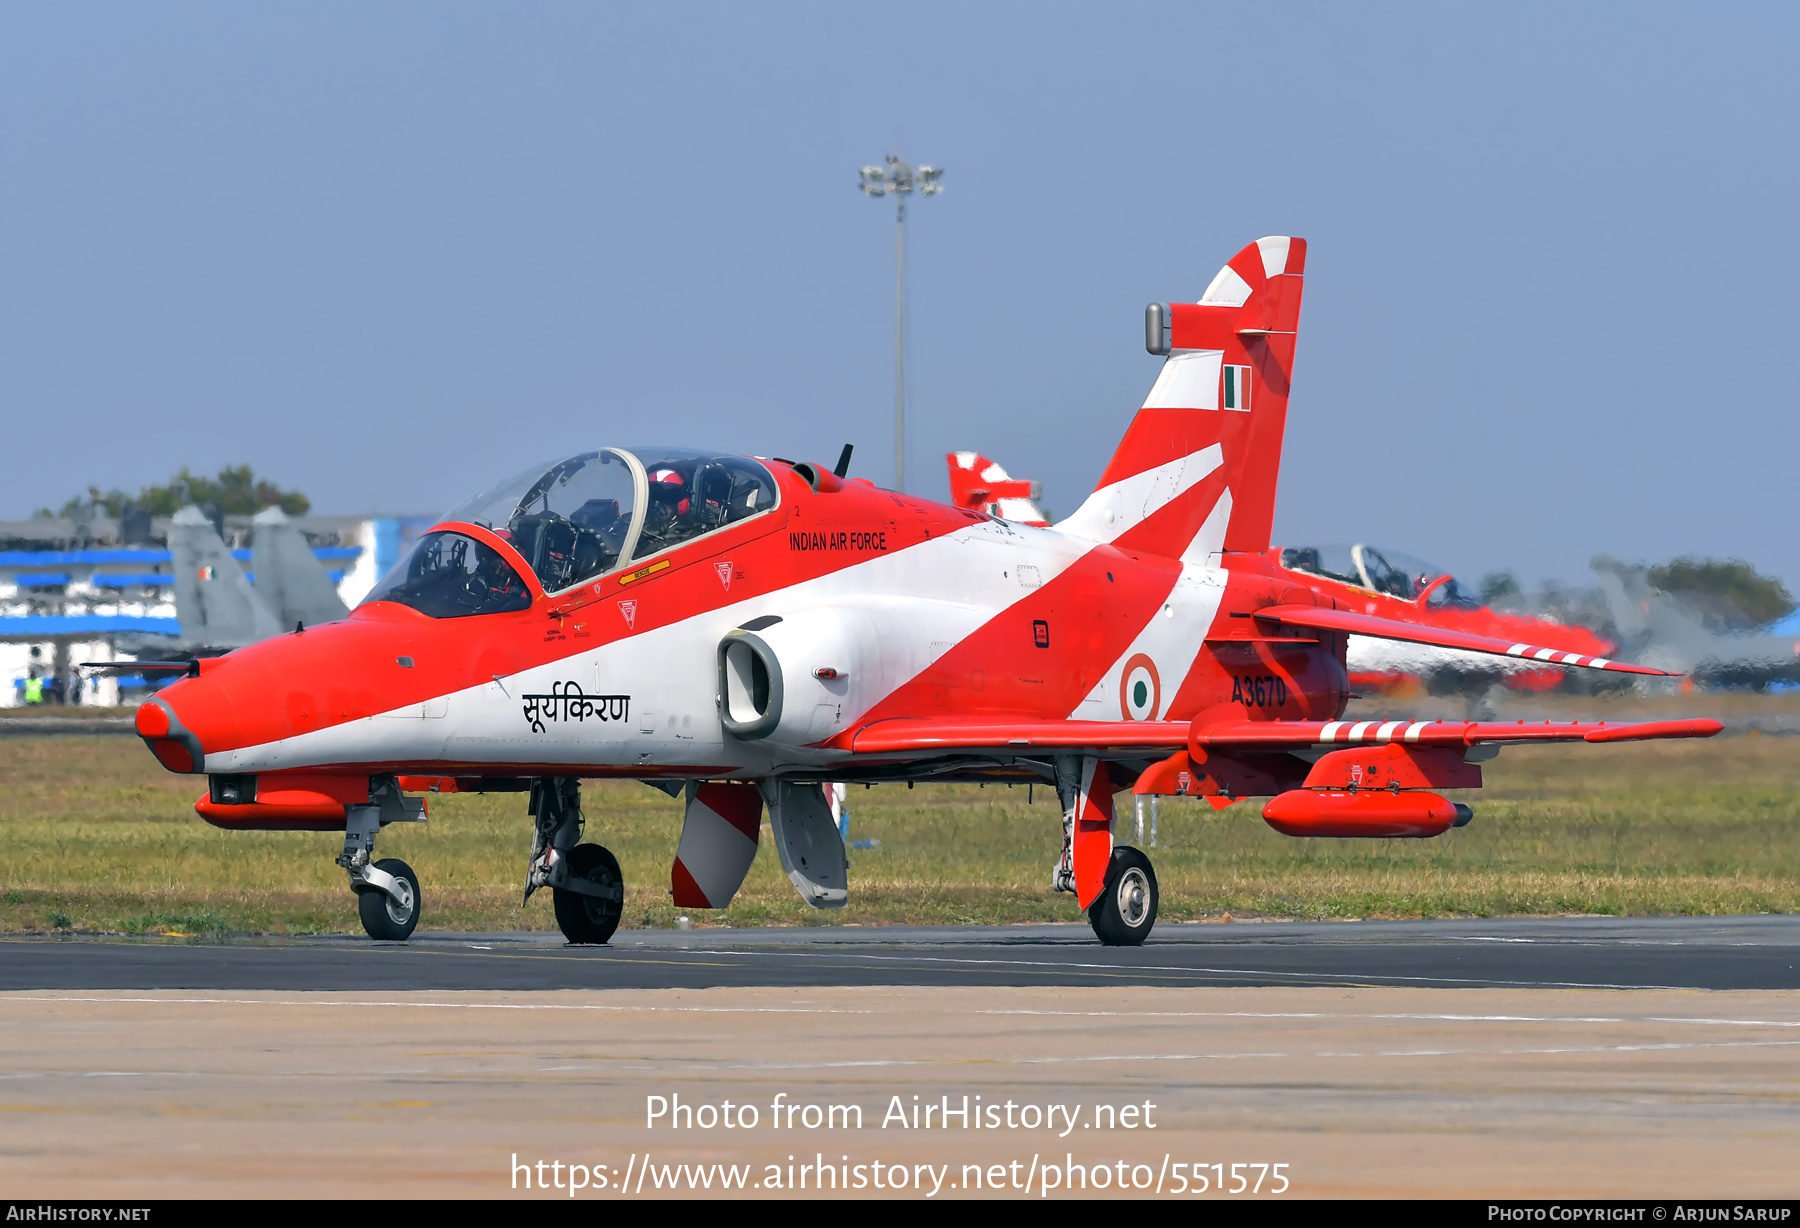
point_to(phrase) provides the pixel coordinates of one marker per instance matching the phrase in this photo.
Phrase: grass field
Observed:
(99, 838)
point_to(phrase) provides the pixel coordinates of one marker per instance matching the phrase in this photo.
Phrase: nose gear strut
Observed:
(387, 891)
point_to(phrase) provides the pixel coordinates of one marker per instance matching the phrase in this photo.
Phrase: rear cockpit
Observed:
(1380, 571)
(574, 521)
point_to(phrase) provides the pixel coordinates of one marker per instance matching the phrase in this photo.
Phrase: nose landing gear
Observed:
(387, 891)
(390, 911)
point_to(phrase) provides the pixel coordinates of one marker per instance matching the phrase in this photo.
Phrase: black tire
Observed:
(1125, 913)
(382, 917)
(586, 919)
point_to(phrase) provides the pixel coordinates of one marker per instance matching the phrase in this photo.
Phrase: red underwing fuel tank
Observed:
(1367, 814)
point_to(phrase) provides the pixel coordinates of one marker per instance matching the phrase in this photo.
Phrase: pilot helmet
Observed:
(668, 486)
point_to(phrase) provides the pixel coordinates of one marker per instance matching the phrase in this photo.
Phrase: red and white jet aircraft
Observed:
(742, 631)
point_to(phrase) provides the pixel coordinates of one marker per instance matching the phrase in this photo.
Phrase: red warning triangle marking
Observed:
(724, 570)
(629, 610)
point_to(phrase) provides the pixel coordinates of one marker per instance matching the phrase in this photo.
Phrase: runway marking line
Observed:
(1141, 973)
(1115, 971)
(867, 1063)
(1757, 1023)
(1700, 1020)
(465, 1006)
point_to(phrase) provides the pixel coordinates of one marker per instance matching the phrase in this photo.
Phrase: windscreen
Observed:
(1382, 571)
(1405, 575)
(449, 575)
(571, 520)
(1332, 562)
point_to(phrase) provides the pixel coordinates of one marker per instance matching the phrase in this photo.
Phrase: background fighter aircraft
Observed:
(1396, 585)
(1387, 583)
(742, 631)
(220, 608)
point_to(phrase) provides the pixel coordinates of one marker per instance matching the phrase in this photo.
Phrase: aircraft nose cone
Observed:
(152, 720)
(173, 744)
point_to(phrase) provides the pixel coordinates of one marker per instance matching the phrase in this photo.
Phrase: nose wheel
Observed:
(387, 891)
(390, 912)
(1125, 913)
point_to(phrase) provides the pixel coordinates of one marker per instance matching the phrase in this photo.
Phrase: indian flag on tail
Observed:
(1235, 390)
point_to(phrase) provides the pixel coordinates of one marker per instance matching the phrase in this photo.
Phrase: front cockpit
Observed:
(1380, 571)
(574, 521)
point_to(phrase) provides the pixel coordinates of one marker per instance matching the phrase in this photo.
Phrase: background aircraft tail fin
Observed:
(1195, 474)
(214, 602)
(980, 485)
(289, 576)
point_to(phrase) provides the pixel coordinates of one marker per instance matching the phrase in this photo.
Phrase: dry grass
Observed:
(101, 838)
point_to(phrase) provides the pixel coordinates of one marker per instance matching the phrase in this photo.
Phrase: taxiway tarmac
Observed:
(1445, 1092)
(1757, 952)
(1469, 1058)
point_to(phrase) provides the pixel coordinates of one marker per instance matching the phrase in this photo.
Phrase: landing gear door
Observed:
(807, 838)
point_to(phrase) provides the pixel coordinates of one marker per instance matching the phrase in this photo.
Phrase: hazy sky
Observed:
(389, 253)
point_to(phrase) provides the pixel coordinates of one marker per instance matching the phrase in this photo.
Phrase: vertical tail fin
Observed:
(213, 598)
(288, 575)
(1196, 471)
(980, 485)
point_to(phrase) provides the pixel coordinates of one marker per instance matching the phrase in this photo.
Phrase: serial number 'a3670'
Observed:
(1259, 690)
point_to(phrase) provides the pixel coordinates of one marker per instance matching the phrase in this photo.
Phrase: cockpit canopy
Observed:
(1379, 571)
(578, 519)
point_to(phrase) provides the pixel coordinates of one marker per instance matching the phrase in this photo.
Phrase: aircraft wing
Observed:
(906, 734)
(900, 734)
(1319, 619)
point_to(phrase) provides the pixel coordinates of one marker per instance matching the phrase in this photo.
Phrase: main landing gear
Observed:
(387, 891)
(587, 889)
(1126, 910)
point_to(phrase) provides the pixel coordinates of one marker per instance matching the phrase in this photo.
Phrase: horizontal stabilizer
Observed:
(1276, 735)
(1320, 619)
(901, 735)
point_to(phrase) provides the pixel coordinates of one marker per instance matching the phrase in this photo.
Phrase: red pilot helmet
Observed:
(668, 486)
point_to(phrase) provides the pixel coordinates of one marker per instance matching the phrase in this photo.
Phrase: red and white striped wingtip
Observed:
(1385, 731)
(1557, 657)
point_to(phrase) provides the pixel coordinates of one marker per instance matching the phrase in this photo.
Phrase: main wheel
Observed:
(588, 919)
(385, 918)
(1126, 910)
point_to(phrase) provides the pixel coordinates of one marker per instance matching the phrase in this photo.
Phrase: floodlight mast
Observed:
(900, 180)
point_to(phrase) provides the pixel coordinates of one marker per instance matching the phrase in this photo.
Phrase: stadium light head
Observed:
(899, 178)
